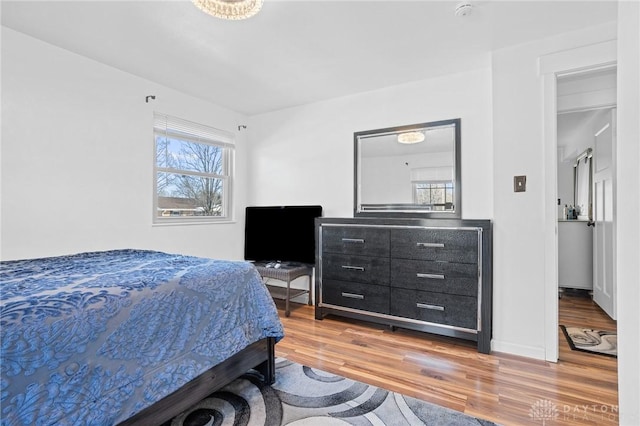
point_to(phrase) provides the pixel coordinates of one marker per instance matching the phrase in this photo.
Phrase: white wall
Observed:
(305, 154)
(519, 218)
(627, 211)
(77, 157)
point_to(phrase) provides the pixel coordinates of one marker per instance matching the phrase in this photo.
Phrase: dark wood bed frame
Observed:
(259, 355)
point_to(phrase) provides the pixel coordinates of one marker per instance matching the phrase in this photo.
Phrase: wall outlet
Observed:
(519, 183)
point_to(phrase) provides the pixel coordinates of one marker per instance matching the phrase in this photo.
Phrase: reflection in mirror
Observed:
(409, 170)
(583, 185)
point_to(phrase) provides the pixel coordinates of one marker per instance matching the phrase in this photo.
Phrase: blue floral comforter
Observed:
(93, 338)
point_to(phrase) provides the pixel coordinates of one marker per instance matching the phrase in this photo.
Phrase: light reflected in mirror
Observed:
(409, 169)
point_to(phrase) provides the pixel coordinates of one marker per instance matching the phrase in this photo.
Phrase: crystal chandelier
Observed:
(411, 137)
(229, 9)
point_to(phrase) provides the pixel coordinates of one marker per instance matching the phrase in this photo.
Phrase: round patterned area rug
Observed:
(303, 396)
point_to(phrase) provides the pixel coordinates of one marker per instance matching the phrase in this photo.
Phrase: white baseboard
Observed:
(535, 352)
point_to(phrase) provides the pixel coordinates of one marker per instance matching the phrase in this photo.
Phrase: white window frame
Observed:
(446, 183)
(177, 128)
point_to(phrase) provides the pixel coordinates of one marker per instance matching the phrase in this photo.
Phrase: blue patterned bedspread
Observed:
(93, 338)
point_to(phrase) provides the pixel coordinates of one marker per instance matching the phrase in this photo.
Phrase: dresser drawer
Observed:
(449, 245)
(367, 297)
(440, 308)
(374, 270)
(440, 277)
(355, 240)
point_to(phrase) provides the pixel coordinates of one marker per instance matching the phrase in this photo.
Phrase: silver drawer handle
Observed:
(353, 240)
(427, 306)
(353, 268)
(353, 296)
(430, 245)
(434, 276)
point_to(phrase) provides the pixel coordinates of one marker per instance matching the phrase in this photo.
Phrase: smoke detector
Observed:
(463, 9)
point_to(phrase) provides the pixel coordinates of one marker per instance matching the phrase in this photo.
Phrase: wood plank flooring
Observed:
(581, 389)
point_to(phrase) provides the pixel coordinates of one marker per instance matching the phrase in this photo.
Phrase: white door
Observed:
(604, 279)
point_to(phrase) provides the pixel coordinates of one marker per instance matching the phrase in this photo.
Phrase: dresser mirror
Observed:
(411, 170)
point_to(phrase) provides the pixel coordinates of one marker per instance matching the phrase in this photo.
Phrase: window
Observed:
(437, 195)
(193, 171)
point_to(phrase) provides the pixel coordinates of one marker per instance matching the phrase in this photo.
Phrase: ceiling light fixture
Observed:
(463, 9)
(229, 9)
(411, 137)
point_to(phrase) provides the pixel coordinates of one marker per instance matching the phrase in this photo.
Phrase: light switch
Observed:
(519, 183)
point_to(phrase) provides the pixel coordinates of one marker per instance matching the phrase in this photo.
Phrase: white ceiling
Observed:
(295, 52)
(572, 125)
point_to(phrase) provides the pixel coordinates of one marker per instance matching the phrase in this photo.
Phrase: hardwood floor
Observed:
(581, 389)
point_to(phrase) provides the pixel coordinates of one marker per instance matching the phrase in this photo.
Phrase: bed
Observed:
(127, 336)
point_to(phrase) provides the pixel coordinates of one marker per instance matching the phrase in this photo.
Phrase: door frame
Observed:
(582, 59)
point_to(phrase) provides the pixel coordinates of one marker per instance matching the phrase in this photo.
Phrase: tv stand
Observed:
(286, 272)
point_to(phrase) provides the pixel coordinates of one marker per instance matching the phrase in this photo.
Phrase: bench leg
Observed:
(287, 312)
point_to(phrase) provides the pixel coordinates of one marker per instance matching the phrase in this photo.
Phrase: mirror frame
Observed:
(410, 209)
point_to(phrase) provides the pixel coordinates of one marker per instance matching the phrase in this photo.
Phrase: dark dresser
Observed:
(431, 275)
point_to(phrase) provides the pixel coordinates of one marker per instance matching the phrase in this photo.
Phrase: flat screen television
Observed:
(280, 233)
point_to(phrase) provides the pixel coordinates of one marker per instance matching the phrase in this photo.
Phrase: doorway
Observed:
(586, 123)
